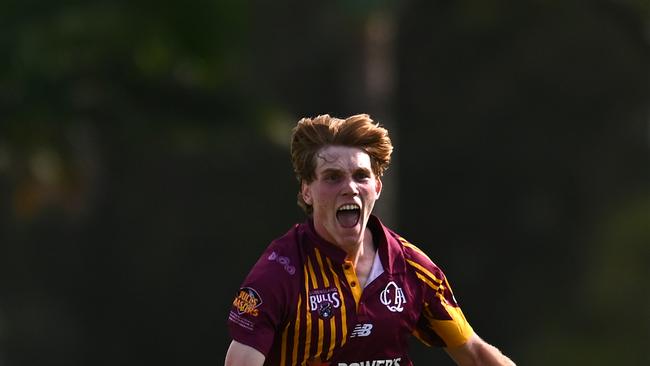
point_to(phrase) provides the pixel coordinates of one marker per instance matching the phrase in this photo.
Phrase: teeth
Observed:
(348, 207)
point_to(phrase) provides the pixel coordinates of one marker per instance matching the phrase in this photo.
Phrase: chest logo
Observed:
(361, 330)
(393, 297)
(324, 301)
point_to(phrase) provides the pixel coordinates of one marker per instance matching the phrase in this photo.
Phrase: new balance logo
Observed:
(361, 330)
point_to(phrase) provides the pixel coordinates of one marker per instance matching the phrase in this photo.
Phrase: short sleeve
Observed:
(262, 303)
(442, 322)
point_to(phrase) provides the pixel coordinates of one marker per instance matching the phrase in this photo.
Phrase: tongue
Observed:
(348, 218)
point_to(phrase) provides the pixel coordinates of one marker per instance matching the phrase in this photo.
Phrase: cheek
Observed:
(323, 196)
(370, 191)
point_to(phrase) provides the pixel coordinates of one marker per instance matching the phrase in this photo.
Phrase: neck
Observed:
(366, 246)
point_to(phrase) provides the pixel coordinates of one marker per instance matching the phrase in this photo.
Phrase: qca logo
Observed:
(393, 297)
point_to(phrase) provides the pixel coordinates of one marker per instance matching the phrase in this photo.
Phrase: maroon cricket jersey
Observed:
(301, 304)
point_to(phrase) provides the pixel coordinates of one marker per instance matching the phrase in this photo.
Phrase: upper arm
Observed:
(465, 354)
(242, 355)
(442, 322)
(478, 352)
(262, 303)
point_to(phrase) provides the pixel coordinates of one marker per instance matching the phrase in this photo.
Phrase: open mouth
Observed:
(348, 215)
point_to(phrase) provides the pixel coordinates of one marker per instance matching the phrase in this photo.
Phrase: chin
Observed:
(350, 239)
(351, 231)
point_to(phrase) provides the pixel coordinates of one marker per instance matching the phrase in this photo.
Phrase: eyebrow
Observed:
(331, 170)
(335, 170)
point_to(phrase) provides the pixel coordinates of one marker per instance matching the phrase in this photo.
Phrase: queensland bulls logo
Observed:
(393, 297)
(324, 302)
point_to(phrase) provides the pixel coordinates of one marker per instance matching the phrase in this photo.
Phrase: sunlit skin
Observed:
(343, 176)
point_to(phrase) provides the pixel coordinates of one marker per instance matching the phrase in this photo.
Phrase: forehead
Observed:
(342, 158)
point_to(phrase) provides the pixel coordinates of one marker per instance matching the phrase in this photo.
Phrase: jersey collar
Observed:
(388, 246)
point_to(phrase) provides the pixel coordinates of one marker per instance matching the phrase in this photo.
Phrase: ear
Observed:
(378, 186)
(305, 190)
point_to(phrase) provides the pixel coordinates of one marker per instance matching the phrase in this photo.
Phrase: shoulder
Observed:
(419, 262)
(281, 259)
(274, 280)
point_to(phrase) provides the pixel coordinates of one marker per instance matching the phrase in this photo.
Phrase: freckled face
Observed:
(342, 195)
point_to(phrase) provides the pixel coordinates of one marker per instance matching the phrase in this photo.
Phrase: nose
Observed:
(350, 188)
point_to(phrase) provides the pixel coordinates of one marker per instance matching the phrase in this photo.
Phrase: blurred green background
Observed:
(144, 165)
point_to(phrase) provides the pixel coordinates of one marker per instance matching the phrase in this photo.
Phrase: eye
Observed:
(362, 176)
(331, 177)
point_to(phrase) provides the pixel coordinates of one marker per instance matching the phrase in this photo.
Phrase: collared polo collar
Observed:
(387, 245)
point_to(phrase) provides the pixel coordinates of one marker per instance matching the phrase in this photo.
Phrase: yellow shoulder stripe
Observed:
(432, 277)
(426, 280)
(409, 245)
(425, 271)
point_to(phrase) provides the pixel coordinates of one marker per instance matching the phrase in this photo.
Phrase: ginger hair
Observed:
(313, 134)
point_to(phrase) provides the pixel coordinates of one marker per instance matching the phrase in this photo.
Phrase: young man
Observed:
(341, 288)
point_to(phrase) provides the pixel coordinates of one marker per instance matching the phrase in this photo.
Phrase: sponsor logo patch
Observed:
(241, 321)
(324, 301)
(393, 297)
(247, 301)
(361, 330)
(283, 261)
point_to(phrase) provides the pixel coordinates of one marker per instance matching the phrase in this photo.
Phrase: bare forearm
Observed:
(491, 356)
(477, 352)
(243, 355)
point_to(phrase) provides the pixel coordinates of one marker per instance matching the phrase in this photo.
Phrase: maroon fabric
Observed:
(266, 313)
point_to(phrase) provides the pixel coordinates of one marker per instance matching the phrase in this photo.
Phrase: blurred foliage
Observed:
(144, 166)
